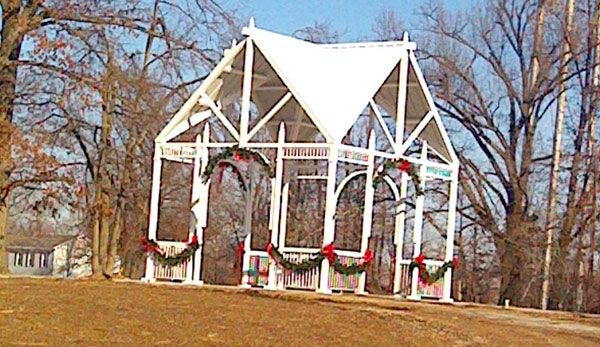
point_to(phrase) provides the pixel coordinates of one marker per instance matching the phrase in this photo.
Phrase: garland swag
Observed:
(238, 154)
(401, 165)
(328, 252)
(425, 276)
(151, 246)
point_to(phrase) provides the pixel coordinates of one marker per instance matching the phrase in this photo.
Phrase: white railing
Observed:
(433, 290)
(258, 268)
(405, 277)
(172, 273)
(338, 281)
(308, 152)
(304, 280)
(352, 156)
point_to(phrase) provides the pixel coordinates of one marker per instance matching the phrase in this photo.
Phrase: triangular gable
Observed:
(185, 111)
(333, 83)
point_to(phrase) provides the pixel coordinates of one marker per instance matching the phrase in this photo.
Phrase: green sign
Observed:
(436, 171)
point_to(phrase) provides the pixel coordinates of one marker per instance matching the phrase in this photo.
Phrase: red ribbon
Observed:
(454, 262)
(193, 241)
(404, 166)
(420, 259)
(368, 257)
(329, 252)
(240, 249)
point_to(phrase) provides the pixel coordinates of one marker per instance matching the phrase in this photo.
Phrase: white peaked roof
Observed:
(334, 83)
(331, 84)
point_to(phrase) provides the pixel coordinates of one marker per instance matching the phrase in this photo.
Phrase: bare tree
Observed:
(388, 26)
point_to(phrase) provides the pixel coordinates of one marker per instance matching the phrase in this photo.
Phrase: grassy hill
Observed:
(68, 312)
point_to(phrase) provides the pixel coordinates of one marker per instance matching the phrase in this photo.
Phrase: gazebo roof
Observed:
(317, 88)
(333, 82)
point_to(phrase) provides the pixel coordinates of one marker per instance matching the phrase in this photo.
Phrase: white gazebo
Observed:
(300, 100)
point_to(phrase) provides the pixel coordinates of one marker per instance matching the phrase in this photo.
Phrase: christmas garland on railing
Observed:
(425, 276)
(402, 165)
(152, 247)
(328, 252)
(238, 154)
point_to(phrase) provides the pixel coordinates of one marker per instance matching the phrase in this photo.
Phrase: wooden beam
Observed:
(270, 114)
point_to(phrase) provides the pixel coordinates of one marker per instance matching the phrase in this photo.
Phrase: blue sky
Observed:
(354, 17)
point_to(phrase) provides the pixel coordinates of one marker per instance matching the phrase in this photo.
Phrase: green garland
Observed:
(151, 246)
(237, 153)
(401, 165)
(427, 277)
(349, 269)
(312, 263)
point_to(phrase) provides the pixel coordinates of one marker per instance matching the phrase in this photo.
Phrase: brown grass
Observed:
(62, 312)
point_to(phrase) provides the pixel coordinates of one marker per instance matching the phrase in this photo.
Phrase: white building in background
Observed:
(41, 255)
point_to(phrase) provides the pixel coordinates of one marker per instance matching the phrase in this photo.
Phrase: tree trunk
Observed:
(12, 35)
(560, 114)
(114, 242)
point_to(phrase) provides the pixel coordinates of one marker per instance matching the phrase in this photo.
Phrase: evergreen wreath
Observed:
(152, 247)
(238, 154)
(427, 277)
(402, 165)
(327, 252)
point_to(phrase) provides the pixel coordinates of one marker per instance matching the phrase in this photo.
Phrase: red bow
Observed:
(237, 156)
(145, 244)
(368, 257)
(269, 248)
(404, 166)
(193, 241)
(454, 262)
(420, 259)
(329, 252)
(240, 249)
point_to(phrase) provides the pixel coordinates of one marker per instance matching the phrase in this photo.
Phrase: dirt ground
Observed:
(40, 312)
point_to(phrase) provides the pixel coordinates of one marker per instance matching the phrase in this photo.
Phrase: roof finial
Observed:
(405, 36)
(251, 22)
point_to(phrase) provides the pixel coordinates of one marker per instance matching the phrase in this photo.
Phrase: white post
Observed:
(246, 261)
(246, 92)
(201, 208)
(402, 92)
(272, 285)
(329, 224)
(154, 205)
(418, 224)
(452, 199)
(368, 210)
(399, 231)
(189, 270)
(284, 205)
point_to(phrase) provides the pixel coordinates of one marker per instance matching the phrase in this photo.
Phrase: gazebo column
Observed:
(452, 200)
(399, 232)
(276, 203)
(329, 223)
(154, 202)
(195, 196)
(246, 261)
(418, 225)
(200, 192)
(368, 211)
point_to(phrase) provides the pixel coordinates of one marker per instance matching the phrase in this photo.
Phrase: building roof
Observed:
(38, 243)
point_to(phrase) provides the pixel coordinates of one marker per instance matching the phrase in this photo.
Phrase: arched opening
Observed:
(239, 198)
